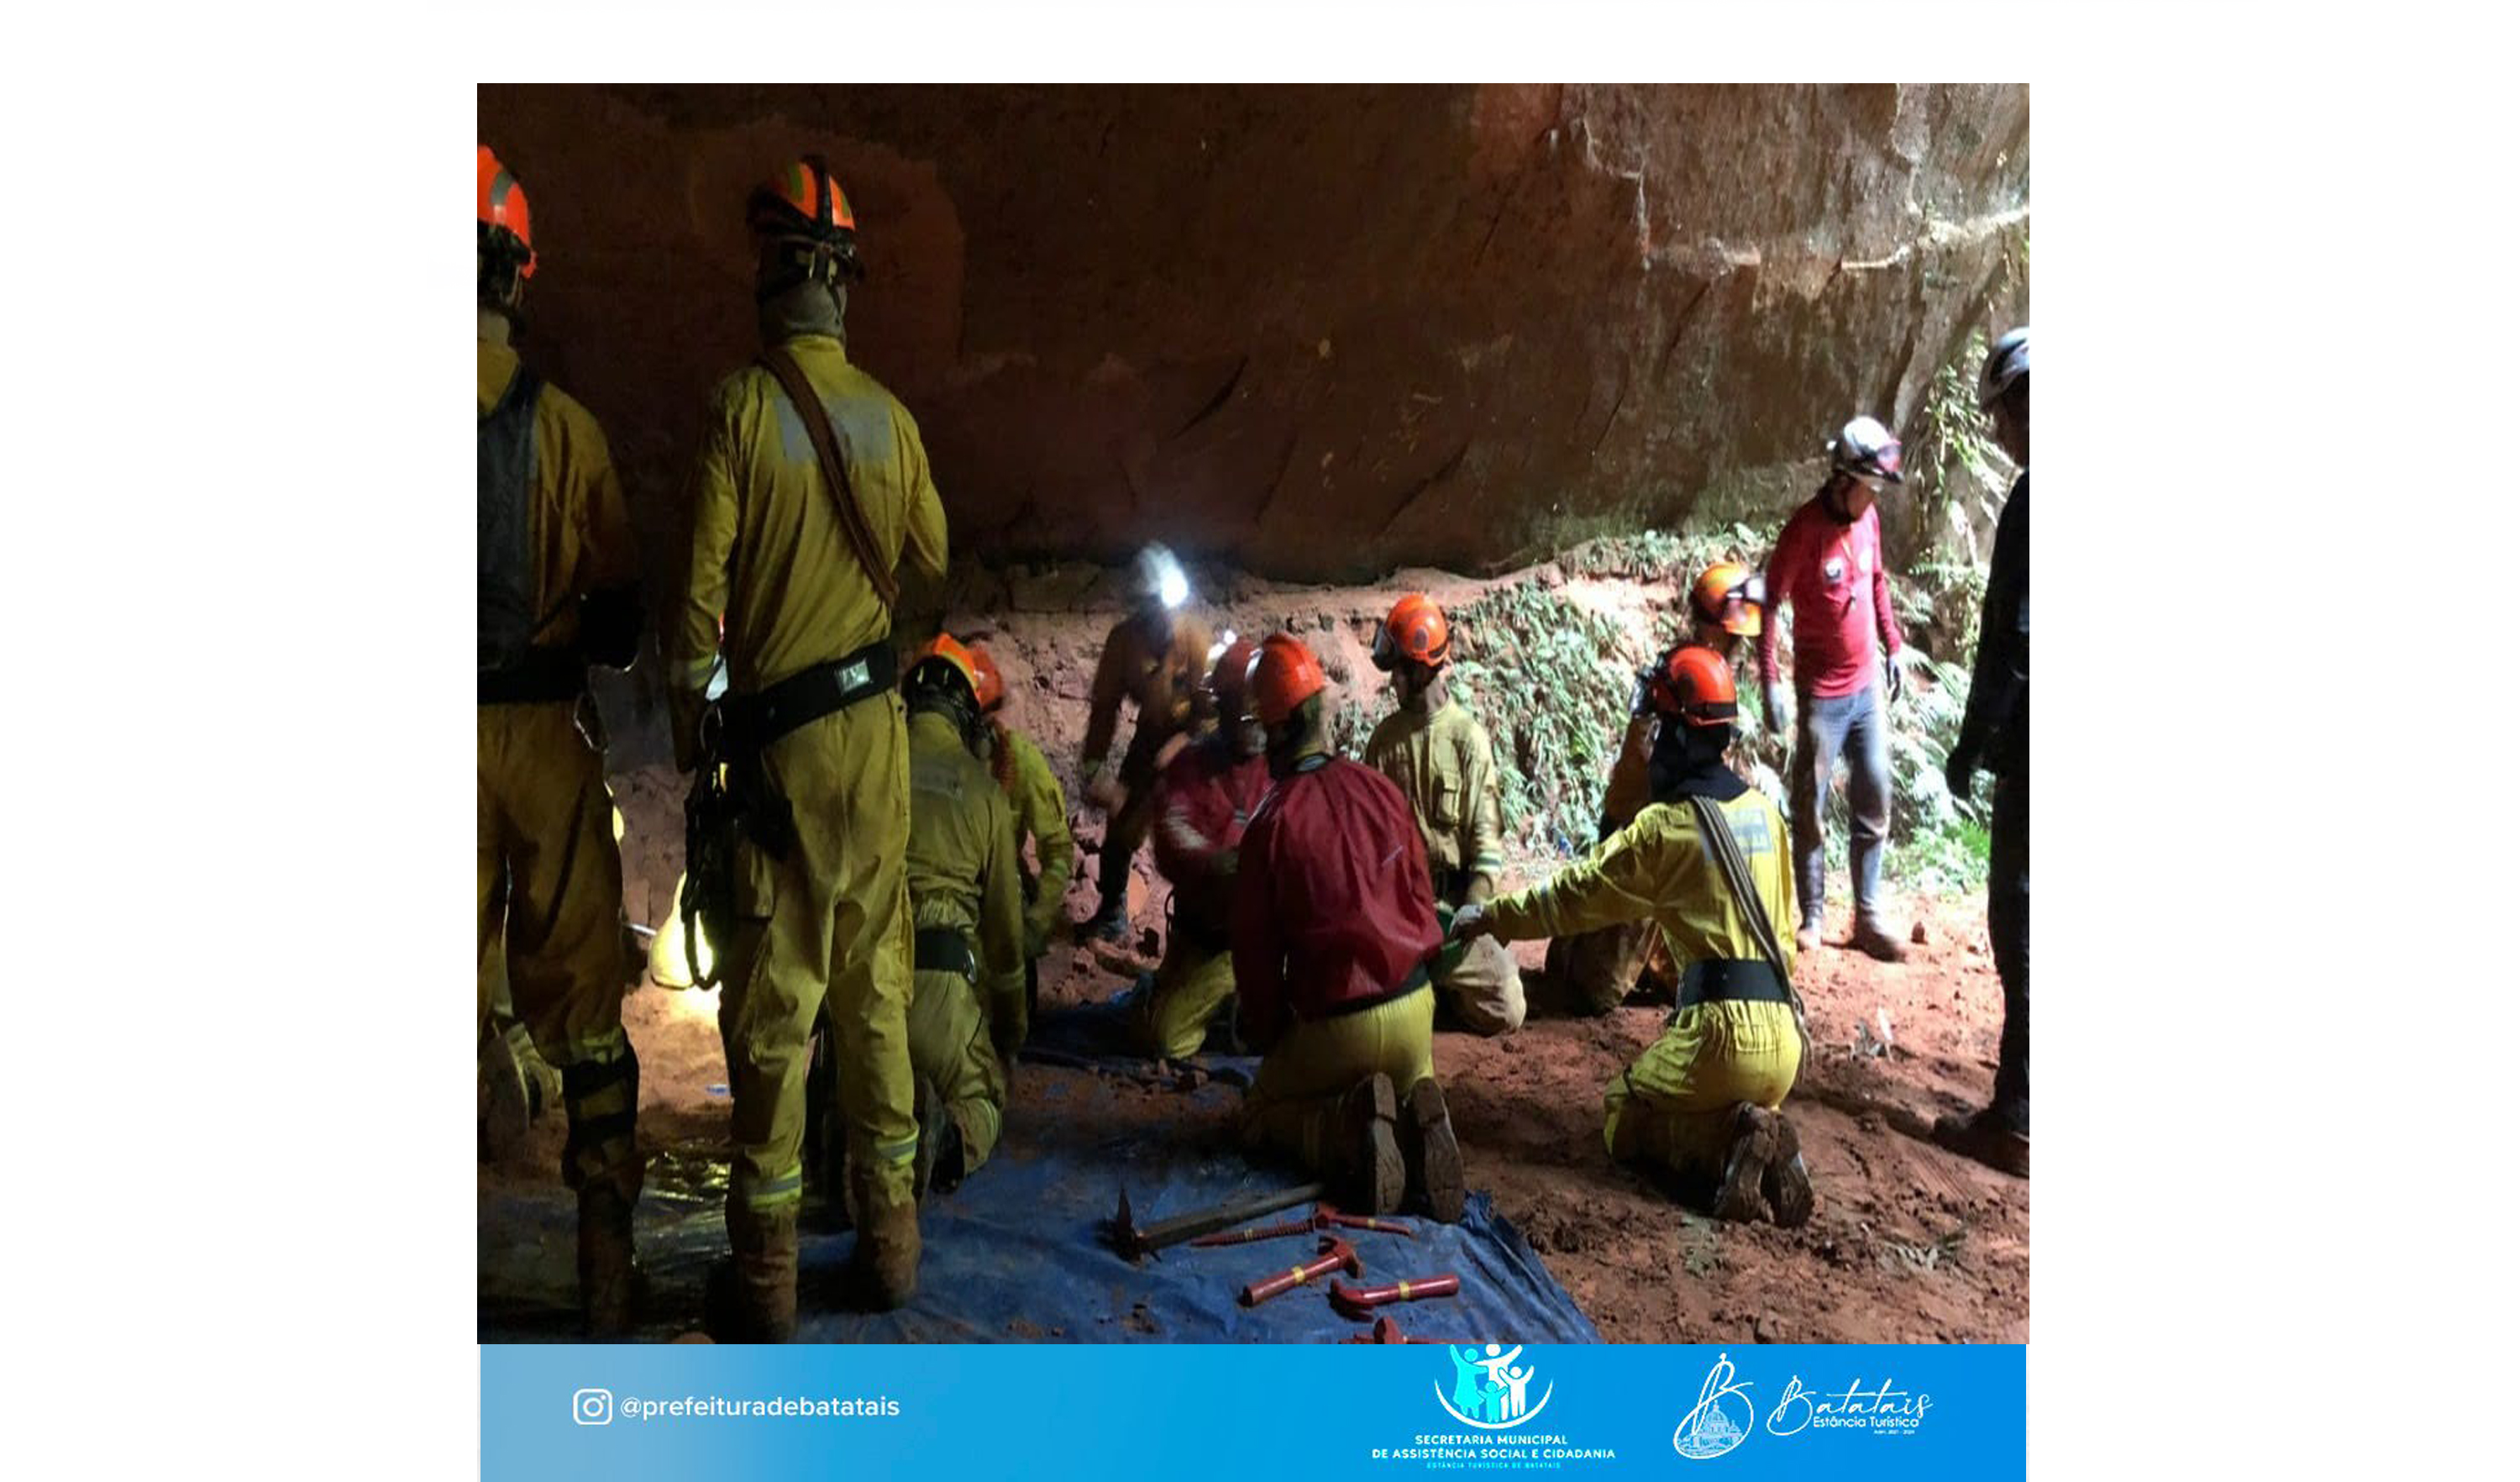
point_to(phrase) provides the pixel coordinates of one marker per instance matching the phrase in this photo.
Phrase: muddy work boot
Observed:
(883, 1267)
(1364, 1158)
(1433, 1155)
(752, 1297)
(1787, 1182)
(1987, 1137)
(1745, 1164)
(1877, 942)
(607, 1269)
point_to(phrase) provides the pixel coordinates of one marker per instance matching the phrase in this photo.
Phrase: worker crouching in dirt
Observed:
(1333, 923)
(1600, 968)
(1440, 759)
(797, 535)
(1204, 800)
(966, 998)
(1706, 864)
(558, 590)
(1041, 816)
(1154, 658)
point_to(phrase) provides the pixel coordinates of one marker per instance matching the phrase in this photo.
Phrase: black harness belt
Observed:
(944, 949)
(755, 721)
(541, 676)
(1739, 980)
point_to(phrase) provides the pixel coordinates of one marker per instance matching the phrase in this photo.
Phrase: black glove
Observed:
(1898, 679)
(1959, 772)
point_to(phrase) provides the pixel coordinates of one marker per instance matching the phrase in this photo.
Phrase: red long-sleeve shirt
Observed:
(1332, 903)
(1831, 575)
(1205, 797)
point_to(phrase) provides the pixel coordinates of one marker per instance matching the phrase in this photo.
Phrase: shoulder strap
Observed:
(1717, 830)
(835, 473)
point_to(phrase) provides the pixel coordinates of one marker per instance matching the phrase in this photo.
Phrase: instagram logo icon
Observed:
(591, 1406)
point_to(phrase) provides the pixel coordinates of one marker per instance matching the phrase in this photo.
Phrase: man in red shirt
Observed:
(1204, 798)
(1333, 926)
(1828, 568)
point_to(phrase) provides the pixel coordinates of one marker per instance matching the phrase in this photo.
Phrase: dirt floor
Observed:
(1910, 1243)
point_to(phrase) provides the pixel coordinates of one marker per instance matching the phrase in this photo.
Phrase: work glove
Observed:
(1959, 772)
(1470, 923)
(1773, 696)
(1896, 677)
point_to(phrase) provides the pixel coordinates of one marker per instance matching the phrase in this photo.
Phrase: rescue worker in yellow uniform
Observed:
(811, 738)
(1440, 759)
(1702, 1100)
(558, 590)
(1599, 968)
(1040, 818)
(1156, 659)
(1204, 800)
(967, 1002)
(1334, 924)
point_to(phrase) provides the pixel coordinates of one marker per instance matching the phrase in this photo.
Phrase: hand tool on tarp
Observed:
(1324, 1216)
(1386, 1330)
(1336, 1254)
(1135, 1243)
(1359, 1302)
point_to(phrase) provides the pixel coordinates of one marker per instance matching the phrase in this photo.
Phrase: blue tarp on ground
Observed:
(1018, 1254)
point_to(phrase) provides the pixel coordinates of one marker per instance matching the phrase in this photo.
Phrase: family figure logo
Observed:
(1490, 1391)
(1720, 1419)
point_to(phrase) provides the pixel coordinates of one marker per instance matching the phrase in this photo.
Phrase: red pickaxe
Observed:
(1336, 1254)
(1324, 1216)
(1386, 1330)
(1359, 1302)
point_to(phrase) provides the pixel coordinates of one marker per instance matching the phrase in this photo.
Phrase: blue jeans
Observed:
(1851, 724)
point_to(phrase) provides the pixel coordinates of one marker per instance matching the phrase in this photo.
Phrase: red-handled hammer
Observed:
(1336, 1254)
(1359, 1302)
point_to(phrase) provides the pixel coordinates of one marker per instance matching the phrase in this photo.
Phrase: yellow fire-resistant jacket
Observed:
(767, 549)
(962, 863)
(1443, 764)
(581, 540)
(1041, 812)
(1657, 869)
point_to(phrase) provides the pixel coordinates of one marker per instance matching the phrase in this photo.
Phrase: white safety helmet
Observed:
(1865, 449)
(2006, 362)
(1159, 577)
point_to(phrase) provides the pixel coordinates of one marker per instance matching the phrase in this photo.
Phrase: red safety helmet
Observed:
(1730, 596)
(1283, 675)
(803, 209)
(1693, 685)
(986, 682)
(1228, 682)
(1414, 631)
(506, 226)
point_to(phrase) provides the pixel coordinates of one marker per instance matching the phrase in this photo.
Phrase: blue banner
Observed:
(1216, 1411)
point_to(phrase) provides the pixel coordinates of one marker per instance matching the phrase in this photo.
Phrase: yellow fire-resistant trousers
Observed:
(1192, 983)
(1672, 1105)
(832, 917)
(543, 816)
(950, 1050)
(1293, 1105)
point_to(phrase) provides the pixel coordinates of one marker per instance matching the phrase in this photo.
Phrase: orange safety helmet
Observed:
(1414, 631)
(801, 205)
(1730, 596)
(1283, 675)
(1693, 683)
(506, 224)
(944, 647)
(1229, 683)
(986, 683)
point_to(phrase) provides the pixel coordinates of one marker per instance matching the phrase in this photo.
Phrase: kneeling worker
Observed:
(1440, 759)
(966, 998)
(1333, 923)
(1205, 799)
(1599, 967)
(1705, 863)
